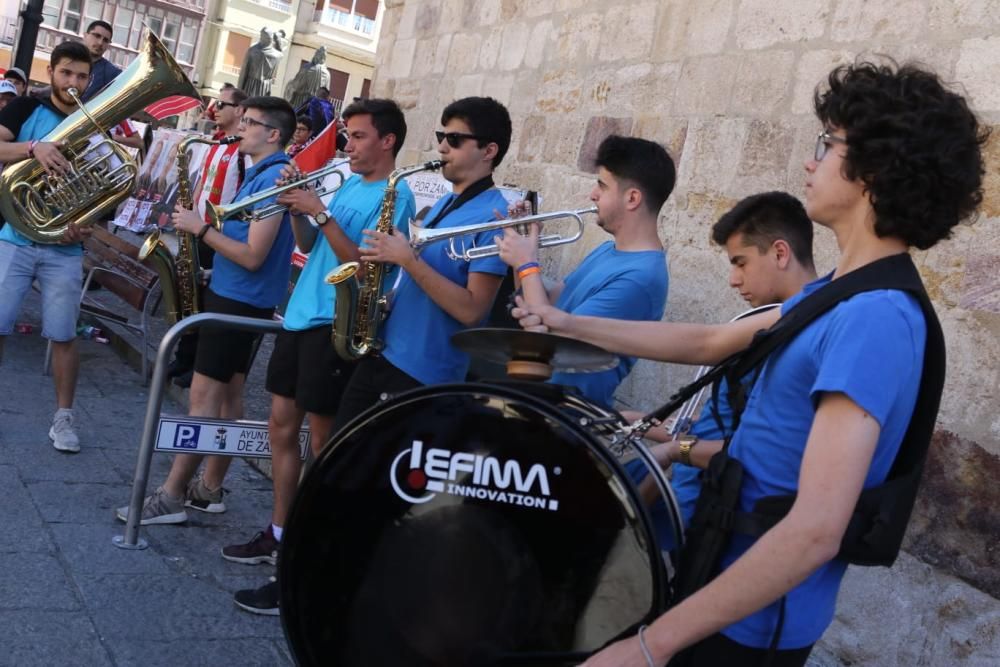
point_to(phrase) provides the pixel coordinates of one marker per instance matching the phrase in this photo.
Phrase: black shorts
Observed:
(224, 352)
(304, 366)
(374, 380)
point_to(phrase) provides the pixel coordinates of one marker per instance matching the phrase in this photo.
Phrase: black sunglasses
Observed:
(455, 139)
(219, 104)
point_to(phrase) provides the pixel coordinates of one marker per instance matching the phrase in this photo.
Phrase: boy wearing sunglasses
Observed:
(437, 296)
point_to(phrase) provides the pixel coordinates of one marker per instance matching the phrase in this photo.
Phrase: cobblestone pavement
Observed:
(68, 595)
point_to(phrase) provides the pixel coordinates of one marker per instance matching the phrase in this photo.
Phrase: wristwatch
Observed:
(321, 218)
(687, 444)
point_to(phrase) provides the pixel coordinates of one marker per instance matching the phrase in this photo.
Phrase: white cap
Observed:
(7, 87)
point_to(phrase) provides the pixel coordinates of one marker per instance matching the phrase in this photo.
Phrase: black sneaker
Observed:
(263, 600)
(262, 548)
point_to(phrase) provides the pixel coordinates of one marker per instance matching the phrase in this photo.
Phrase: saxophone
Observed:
(361, 307)
(179, 276)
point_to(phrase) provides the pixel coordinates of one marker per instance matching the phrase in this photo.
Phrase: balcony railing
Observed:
(278, 5)
(231, 69)
(339, 19)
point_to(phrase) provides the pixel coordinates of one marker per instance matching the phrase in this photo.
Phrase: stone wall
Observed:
(727, 86)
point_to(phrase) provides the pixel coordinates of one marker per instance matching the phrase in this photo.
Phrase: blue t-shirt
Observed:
(869, 348)
(355, 207)
(42, 120)
(619, 285)
(418, 332)
(267, 286)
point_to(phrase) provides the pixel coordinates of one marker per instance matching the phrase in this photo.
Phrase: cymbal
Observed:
(516, 348)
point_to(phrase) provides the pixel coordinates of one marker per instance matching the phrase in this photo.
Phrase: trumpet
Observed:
(420, 237)
(244, 208)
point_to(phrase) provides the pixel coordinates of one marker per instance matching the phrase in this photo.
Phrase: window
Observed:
(123, 27)
(237, 46)
(50, 12)
(338, 83)
(156, 25)
(171, 31)
(93, 10)
(189, 37)
(366, 89)
(356, 15)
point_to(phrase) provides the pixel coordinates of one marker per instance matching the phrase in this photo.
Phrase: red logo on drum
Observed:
(471, 476)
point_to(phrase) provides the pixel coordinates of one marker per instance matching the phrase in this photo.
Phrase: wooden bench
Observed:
(114, 263)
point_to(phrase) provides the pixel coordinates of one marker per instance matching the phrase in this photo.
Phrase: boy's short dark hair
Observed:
(765, 218)
(276, 112)
(915, 145)
(75, 52)
(100, 24)
(486, 118)
(239, 97)
(386, 116)
(642, 163)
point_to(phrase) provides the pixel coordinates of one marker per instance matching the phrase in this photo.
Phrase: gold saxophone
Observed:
(179, 276)
(361, 307)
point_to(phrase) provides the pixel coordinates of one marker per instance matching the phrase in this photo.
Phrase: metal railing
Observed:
(130, 539)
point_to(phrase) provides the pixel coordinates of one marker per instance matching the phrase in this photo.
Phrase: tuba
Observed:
(179, 276)
(102, 174)
(361, 307)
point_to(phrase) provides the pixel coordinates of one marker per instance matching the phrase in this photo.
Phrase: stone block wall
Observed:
(726, 86)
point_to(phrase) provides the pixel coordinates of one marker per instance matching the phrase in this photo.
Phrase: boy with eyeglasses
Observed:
(249, 278)
(828, 413)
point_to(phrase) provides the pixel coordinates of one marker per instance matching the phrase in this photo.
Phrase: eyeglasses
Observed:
(301, 128)
(455, 139)
(253, 123)
(220, 105)
(823, 141)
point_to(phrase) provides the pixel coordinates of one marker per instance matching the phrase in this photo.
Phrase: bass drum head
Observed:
(464, 525)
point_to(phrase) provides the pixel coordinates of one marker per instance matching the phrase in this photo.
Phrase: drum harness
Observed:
(875, 531)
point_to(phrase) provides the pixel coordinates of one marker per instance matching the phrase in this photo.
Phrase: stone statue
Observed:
(260, 65)
(309, 80)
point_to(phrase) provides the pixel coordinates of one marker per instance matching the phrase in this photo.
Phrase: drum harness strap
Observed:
(875, 531)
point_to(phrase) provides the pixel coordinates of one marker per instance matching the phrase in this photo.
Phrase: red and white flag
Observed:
(319, 151)
(171, 106)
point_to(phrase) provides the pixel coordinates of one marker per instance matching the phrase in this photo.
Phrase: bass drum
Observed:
(467, 525)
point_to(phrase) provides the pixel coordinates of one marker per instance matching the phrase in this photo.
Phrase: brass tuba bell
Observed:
(102, 174)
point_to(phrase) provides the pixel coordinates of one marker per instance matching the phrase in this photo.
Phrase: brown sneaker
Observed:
(262, 548)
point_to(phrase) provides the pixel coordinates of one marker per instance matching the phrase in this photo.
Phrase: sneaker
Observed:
(158, 508)
(263, 600)
(62, 434)
(199, 497)
(262, 548)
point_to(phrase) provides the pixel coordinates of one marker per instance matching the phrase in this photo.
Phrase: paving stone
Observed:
(46, 638)
(158, 653)
(36, 582)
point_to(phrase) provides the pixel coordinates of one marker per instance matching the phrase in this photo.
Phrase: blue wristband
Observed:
(528, 265)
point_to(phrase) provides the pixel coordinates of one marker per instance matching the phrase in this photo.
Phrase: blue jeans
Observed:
(60, 278)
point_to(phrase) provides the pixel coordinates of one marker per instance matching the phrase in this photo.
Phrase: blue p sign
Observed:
(186, 436)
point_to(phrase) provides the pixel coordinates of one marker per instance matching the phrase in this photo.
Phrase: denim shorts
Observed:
(60, 278)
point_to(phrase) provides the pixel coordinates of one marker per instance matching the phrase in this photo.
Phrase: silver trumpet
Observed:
(420, 237)
(244, 208)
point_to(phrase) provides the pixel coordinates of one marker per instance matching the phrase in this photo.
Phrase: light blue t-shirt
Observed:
(267, 286)
(356, 206)
(869, 348)
(418, 332)
(42, 120)
(619, 285)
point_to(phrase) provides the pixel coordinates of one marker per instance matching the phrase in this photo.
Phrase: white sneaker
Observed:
(62, 434)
